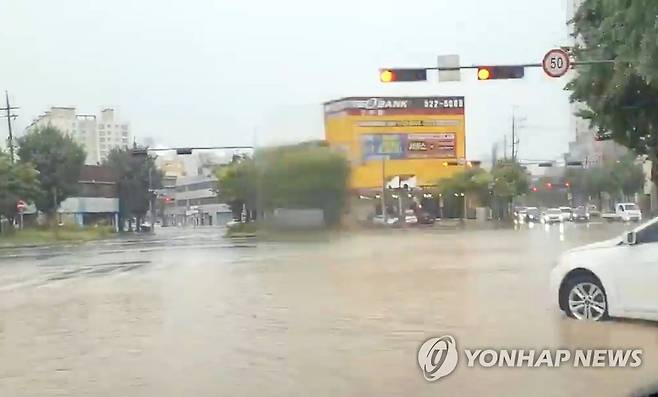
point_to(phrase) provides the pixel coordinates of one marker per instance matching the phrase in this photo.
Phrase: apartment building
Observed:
(97, 134)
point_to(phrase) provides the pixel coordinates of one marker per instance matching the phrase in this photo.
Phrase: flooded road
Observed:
(188, 313)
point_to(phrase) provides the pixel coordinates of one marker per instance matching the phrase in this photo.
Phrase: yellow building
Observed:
(413, 141)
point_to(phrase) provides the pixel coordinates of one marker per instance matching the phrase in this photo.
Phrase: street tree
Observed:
(18, 181)
(137, 177)
(306, 175)
(473, 182)
(237, 186)
(620, 99)
(59, 160)
(629, 176)
(510, 180)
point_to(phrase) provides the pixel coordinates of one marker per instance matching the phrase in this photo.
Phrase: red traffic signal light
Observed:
(534, 189)
(549, 185)
(567, 184)
(500, 72)
(395, 75)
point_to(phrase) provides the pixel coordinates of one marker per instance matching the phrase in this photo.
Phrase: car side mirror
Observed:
(631, 238)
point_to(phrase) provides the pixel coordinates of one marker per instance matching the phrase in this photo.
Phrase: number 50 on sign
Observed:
(556, 63)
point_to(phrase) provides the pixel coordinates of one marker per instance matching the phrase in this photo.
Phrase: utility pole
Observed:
(505, 147)
(513, 137)
(9, 116)
(515, 140)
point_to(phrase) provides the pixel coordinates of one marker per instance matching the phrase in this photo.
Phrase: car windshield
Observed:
(326, 198)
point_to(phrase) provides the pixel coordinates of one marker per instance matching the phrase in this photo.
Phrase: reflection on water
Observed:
(339, 317)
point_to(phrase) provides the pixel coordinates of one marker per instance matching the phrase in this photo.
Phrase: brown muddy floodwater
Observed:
(188, 313)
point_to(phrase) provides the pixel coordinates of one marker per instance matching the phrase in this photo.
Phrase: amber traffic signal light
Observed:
(500, 72)
(395, 75)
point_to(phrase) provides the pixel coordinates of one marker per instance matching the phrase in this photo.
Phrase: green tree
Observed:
(629, 176)
(237, 186)
(307, 175)
(137, 176)
(18, 181)
(59, 160)
(510, 180)
(621, 98)
(474, 182)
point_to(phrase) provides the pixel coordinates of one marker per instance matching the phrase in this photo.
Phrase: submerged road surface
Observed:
(189, 313)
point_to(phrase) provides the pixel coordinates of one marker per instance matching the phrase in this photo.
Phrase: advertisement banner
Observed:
(437, 146)
(408, 146)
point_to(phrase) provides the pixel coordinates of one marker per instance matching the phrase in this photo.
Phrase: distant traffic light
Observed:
(500, 72)
(567, 184)
(549, 185)
(534, 189)
(395, 75)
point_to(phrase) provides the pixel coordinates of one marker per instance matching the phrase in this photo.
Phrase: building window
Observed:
(101, 139)
(101, 126)
(125, 126)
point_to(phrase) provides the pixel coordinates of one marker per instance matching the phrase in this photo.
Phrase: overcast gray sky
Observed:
(216, 72)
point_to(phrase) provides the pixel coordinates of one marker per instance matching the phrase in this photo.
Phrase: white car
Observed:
(628, 212)
(552, 215)
(567, 213)
(613, 278)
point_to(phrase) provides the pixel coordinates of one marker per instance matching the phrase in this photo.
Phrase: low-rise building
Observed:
(97, 199)
(195, 202)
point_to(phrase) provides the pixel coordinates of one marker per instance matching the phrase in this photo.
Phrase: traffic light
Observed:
(395, 75)
(184, 151)
(546, 164)
(534, 189)
(574, 163)
(549, 185)
(500, 72)
(567, 184)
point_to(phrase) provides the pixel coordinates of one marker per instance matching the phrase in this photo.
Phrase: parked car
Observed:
(612, 278)
(580, 214)
(567, 213)
(552, 215)
(533, 214)
(521, 214)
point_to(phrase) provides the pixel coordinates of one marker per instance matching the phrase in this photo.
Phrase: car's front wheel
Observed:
(585, 299)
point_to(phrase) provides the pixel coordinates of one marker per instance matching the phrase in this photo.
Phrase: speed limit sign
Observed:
(556, 63)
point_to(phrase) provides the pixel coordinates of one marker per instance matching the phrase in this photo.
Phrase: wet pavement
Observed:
(189, 313)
